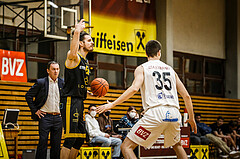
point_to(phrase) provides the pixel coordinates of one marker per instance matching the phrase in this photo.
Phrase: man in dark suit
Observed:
(45, 109)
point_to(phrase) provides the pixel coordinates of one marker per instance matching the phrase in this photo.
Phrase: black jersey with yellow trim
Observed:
(76, 79)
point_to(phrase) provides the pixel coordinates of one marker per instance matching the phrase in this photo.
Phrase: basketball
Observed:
(99, 87)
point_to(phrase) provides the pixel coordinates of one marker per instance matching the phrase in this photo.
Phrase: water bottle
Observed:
(185, 117)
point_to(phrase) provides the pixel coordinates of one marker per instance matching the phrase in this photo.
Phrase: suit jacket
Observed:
(39, 91)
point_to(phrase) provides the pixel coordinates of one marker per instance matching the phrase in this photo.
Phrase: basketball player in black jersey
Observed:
(75, 91)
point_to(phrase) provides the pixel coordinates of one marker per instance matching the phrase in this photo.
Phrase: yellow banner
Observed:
(123, 27)
(3, 148)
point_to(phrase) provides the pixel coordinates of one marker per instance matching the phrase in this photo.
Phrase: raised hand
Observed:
(193, 125)
(105, 107)
(80, 26)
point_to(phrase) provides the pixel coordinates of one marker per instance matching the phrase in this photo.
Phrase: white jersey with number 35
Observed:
(159, 86)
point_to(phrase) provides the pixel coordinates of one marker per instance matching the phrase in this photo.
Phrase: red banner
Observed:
(13, 66)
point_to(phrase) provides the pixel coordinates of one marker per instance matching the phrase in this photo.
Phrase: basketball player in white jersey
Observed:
(159, 85)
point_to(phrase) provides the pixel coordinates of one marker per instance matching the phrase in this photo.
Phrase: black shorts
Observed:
(72, 114)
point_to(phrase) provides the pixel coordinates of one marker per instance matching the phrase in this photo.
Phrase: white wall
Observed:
(199, 27)
(164, 23)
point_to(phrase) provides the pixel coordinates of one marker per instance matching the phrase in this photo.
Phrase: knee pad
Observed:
(69, 142)
(78, 143)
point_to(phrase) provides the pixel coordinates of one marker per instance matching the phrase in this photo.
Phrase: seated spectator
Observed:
(106, 124)
(223, 132)
(128, 120)
(141, 112)
(217, 136)
(238, 123)
(203, 129)
(238, 132)
(97, 136)
(233, 132)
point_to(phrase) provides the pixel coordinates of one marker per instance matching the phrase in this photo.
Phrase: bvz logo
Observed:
(142, 133)
(140, 40)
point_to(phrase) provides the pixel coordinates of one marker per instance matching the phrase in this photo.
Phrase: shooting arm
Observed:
(72, 54)
(188, 103)
(137, 83)
(186, 97)
(138, 80)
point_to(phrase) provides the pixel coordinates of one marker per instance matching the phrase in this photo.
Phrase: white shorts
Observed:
(159, 120)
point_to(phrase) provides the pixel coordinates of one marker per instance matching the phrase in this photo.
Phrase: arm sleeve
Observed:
(127, 123)
(208, 129)
(91, 132)
(135, 121)
(101, 124)
(213, 127)
(32, 92)
(112, 132)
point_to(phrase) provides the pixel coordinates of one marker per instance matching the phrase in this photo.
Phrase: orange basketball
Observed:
(99, 87)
